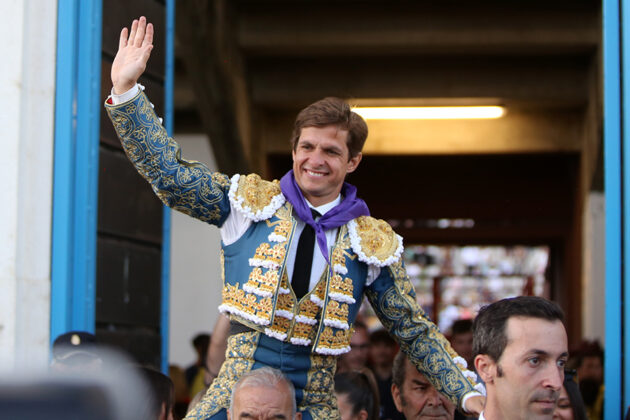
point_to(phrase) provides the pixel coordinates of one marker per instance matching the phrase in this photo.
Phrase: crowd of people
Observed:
(518, 347)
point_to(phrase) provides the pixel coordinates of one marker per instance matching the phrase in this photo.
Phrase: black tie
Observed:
(304, 259)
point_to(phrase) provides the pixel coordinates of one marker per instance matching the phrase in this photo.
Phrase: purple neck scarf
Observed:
(350, 208)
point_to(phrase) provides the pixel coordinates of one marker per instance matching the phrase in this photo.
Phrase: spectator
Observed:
(357, 395)
(163, 393)
(263, 393)
(520, 348)
(383, 349)
(77, 352)
(357, 357)
(201, 342)
(462, 339)
(414, 395)
(570, 404)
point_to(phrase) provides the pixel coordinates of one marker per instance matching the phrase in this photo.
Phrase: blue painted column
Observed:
(166, 221)
(617, 183)
(75, 174)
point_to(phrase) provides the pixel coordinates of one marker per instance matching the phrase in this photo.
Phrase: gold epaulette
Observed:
(256, 198)
(374, 241)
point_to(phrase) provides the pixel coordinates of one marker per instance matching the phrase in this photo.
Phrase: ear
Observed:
(229, 415)
(486, 368)
(163, 415)
(353, 163)
(397, 399)
(363, 415)
(298, 416)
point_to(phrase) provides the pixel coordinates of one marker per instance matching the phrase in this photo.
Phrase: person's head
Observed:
(382, 348)
(413, 394)
(570, 405)
(357, 395)
(589, 361)
(327, 140)
(520, 349)
(462, 339)
(263, 394)
(76, 352)
(356, 358)
(201, 342)
(162, 390)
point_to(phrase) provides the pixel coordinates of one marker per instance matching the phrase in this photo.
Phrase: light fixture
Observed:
(429, 112)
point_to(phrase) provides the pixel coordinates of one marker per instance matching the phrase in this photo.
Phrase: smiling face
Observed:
(526, 381)
(321, 161)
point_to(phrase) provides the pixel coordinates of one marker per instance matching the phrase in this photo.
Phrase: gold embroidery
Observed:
(336, 314)
(336, 340)
(308, 309)
(285, 302)
(341, 286)
(239, 360)
(319, 400)
(377, 238)
(256, 192)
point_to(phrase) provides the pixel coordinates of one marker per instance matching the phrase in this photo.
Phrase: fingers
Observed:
(148, 38)
(122, 43)
(139, 36)
(134, 29)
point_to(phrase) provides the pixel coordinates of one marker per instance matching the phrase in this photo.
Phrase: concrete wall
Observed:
(195, 271)
(593, 298)
(28, 30)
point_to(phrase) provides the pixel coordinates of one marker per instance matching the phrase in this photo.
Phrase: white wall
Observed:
(195, 270)
(593, 298)
(27, 89)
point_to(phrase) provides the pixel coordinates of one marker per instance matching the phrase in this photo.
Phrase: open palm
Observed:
(132, 56)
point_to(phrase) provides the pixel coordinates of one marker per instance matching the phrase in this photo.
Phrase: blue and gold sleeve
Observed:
(394, 300)
(187, 186)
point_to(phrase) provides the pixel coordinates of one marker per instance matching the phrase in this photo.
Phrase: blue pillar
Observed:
(166, 221)
(617, 183)
(75, 174)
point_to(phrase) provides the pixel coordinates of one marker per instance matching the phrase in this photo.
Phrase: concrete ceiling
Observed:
(246, 67)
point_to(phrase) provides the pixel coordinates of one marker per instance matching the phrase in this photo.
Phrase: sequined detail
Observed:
(256, 198)
(239, 360)
(341, 289)
(318, 399)
(333, 342)
(336, 315)
(237, 301)
(374, 241)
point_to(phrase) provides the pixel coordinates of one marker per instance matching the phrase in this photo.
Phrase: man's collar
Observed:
(324, 208)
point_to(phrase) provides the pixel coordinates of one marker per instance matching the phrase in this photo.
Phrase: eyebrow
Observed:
(246, 415)
(419, 382)
(546, 353)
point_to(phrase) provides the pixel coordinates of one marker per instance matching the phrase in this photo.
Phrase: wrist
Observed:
(120, 88)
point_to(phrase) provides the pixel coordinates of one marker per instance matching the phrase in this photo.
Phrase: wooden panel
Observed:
(142, 346)
(128, 283)
(127, 206)
(154, 90)
(120, 13)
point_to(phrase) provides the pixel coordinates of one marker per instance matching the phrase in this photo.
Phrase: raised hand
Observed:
(132, 56)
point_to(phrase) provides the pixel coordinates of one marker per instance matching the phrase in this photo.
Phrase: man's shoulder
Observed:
(255, 197)
(374, 241)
